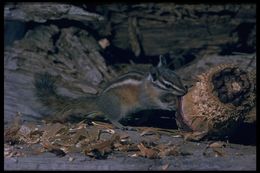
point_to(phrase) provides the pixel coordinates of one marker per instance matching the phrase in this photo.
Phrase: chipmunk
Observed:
(129, 93)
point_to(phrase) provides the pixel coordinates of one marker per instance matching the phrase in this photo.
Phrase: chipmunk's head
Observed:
(167, 84)
(166, 79)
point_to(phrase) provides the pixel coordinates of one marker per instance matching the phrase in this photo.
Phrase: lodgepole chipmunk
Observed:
(129, 93)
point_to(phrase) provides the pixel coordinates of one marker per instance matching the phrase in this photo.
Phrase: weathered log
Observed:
(168, 26)
(41, 12)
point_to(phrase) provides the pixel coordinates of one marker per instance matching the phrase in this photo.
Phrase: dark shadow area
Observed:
(115, 55)
(245, 135)
(152, 118)
(13, 30)
(242, 32)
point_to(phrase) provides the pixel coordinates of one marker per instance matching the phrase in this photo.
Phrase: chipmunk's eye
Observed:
(154, 74)
(167, 85)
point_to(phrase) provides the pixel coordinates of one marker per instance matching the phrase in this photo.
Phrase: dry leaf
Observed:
(102, 125)
(147, 131)
(110, 131)
(169, 151)
(51, 130)
(10, 135)
(79, 135)
(10, 151)
(99, 150)
(66, 138)
(126, 147)
(147, 152)
(123, 136)
(218, 152)
(216, 145)
(194, 136)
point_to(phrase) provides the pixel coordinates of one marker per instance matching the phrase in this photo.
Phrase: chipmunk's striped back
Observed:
(131, 78)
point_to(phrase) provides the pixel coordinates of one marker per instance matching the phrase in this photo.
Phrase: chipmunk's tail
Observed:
(61, 106)
(46, 91)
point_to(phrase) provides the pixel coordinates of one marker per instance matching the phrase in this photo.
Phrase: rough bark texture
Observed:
(41, 12)
(172, 27)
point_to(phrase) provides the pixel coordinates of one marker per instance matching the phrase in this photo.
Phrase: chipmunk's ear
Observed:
(162, 61)
(153, 74)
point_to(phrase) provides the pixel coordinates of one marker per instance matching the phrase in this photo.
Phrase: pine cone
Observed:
(219, 102)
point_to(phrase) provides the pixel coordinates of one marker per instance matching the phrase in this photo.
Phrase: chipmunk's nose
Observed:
(184, 90)
(181, 91)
